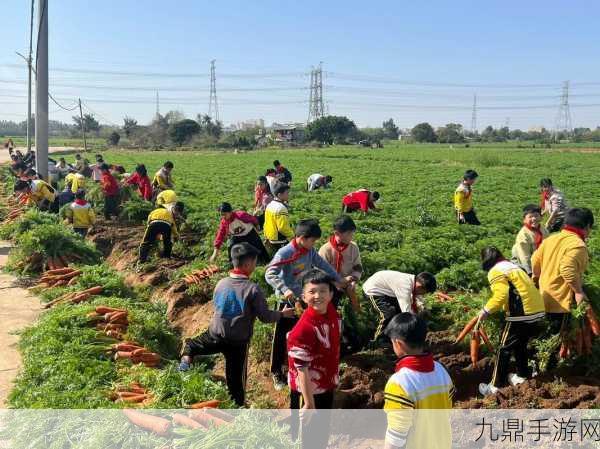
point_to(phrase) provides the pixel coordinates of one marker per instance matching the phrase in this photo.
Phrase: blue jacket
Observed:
(286, 277)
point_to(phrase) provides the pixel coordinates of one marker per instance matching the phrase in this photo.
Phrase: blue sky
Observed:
(412, 61)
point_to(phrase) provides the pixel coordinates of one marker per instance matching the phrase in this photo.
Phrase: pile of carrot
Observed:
(197, 276)
(59, 277)
(59, 261)
(13, 215)
(75, 297)
(585, 331)
(129, 350)
(443, 297)
(132, 394)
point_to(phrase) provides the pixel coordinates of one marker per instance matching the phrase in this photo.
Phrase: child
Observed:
(161, 221)
(552, 203)
(38, 193)
(529, 238)
(277, 229)
(558, 265)
(262, 198)
(283, 174)
(239, 227)
(110, 189)
(80, 214)
(343, 254)
(66, 196)
(313, 348)
(238, 302)
(78, 162)
(97, 169)
(392, 292)
(284, 274)
(514, 292)
(140, 178)
(271, 177)
(166, 197)
(76, 180)
(418, 384)
(163, 179)
(317, 181)
(362, 199)
(463, 199)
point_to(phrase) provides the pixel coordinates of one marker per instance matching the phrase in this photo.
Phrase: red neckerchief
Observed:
(298, 253)
(280, 169)
(339, 248)
(80, 202)
(537, 235)
(578, 232)
(240, 272)
(422, 363)
(544, 196)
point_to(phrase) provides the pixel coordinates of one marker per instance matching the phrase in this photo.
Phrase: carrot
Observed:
(139, 351)
(593, 320)
(155, 424)
(61, 283)
(183, 420)
(93, 291)
(468, 328)
(149, 357)
(128, 394)
(58, 263)
(115, 316)
(564, 351)
(122, 355)
(58, 271)
(219, 414)
(133, 399)
(103, 310)
(475, 343)
(112, 327)
(72, 281)
(206, 404)
(114, 334)
(67, 276)
(205, 419)
(79, 298)
(444, 296)
(50, 263)
(486, 339)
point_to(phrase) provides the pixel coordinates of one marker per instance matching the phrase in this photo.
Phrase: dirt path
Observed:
(5, 157)
(18, 309)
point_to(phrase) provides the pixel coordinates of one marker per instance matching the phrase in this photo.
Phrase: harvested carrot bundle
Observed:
(155, 424)
(196, 277)
(206, 404)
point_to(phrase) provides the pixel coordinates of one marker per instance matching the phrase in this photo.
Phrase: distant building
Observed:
(536, 129)
(251, 124)
(288, 132)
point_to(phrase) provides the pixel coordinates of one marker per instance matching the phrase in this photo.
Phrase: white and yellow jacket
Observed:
(463, 198)
(81, 214)
(40, 191)
(277, 227)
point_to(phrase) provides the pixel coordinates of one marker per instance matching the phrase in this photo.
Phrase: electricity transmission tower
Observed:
(213, 107)
(474, 115)
(316, 109)
(563, 118)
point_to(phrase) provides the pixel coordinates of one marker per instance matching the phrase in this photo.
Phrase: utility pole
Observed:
(563, 118)
(41, 92)
(213, 107)
(82, 126)
(474, 115)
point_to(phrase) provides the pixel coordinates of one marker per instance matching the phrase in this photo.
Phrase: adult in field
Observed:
(553, 204)
(163, 180)
(140, 179)
(278, 231)
(283, 173)
(513, 292)
(558, 266)
(262, 198)
(317, 181)
(238, 226)
(463, 199)
(363, 200)
(391, 292)
(529, 238)
(162, 221)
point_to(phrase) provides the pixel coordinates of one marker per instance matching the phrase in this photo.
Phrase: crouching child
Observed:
(314, 357)
(162, 222)
(80, 214)
(238, 302)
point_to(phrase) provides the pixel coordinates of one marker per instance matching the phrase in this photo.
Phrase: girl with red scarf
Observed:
(529, 238)
(140, 178)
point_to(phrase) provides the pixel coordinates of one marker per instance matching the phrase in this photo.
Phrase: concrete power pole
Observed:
(213, 107)
(82, 126)
(41, 92)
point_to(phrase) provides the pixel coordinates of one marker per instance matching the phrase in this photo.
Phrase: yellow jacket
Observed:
(166, 197)
(166, 216)
(81, 215)
(524, 247)
(514, 292)
(463, 198)
(40, 191)
(277, 227)
(561, 259)
(77, 181)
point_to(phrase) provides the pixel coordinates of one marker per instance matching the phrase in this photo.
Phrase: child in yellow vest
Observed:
(80, 214)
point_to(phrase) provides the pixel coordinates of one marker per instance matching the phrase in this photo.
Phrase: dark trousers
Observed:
(387, 308)
(314, 432)
(514, 340)
(236, 360)
(111, 203)
(253, 239)
(274, 247)
(261, 220)
(48, 206)
(279, 357)
(153, 230)
(470, 218)
(81, 231)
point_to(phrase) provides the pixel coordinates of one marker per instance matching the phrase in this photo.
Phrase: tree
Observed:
(423, 132)
(181, 132)
(174, 116)
(129, 124)
(209, 128)
(331, 129)
(390, 130)
(114, 138)
(451, 133)
(90, 124)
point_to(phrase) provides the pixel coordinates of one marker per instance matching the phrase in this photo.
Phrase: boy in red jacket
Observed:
(362, 199)
(239, 227)
(110, 188)
(314, 359)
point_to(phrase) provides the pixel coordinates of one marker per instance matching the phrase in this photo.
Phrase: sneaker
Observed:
(278, 382)
(487, 389)
(184, 366)
(514, 379)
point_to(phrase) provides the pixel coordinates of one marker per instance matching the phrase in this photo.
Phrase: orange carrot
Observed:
(116, 316)
(139, 351)
(486, 339)
(564, 351)
(72, 281)
(468, 328)
(133, 399)
(122, 355)
(58, 271)
(219, 414)
(475, 343)
(155, 424)
(148, 357)
(93, 291)
(593, 320)
(205, 419)
(103, 310)
(206, 404)
(183, 420)
(444, 296)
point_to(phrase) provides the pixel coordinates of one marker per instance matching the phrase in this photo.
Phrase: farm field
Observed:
(414, 231)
